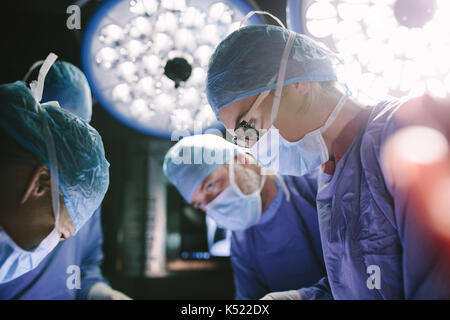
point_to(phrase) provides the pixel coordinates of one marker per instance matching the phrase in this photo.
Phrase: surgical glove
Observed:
(101, 291)
(283, 295)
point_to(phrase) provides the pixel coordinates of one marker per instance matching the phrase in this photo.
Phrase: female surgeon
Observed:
(278, 93)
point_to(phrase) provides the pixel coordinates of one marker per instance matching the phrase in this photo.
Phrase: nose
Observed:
(66, 227)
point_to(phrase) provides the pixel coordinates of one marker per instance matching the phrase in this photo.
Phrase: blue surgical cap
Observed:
(248, 60)
(82, 167)
(68, 85)
(193, 158)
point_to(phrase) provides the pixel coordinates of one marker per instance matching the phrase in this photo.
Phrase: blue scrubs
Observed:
(375, 243)
(48, 280)
(282, 251)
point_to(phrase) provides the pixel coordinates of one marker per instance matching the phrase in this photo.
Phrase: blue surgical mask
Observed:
(232, 209)
(295, 158)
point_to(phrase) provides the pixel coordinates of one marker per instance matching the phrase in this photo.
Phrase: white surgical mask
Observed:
(295, 158)
(232, 209)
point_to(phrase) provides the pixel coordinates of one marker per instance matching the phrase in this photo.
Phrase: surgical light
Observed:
(146, 60)
(390, 47)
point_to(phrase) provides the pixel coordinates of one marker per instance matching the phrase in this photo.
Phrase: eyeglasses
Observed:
(245, 132)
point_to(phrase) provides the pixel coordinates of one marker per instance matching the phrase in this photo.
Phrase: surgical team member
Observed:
(275, 242)
(53, 176)
(72, 269)
(374, 242)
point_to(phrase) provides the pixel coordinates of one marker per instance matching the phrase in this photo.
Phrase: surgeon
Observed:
(280, 94)
(275, 243)
(53, 175)
(72, 269)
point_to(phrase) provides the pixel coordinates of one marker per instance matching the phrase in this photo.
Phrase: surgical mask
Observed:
(295, 158)
(15, 261)
(232, 209)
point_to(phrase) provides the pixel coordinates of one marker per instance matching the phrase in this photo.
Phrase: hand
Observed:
(283, 295)
(101, 291)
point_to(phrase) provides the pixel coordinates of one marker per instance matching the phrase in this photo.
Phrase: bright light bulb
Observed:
(164, 102)
(166, 84)
(134, 49)
(321, 19)
(107, 57)
(185, 40)
(202, 54)
(181, 119)
(167, 22)
(141, 7)
(189, 97)
(152, 64)
(198, 77)
(220, 13)
(128, 71)
(162, 43)
(140, 27)
(111, 34)
(173, 4)
(210, 34)
(139, 108)
(193, 17)
(121, 93)
(146, 86)
(354, 12)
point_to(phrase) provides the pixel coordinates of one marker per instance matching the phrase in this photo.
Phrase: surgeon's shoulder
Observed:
(425, 110)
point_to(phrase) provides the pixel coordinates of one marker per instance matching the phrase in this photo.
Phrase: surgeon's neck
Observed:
(349, 111)
(269, 191)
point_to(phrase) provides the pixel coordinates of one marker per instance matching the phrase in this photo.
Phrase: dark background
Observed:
(29, 31)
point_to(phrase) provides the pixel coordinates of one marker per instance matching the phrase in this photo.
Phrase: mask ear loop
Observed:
(37, 89)
(251, 13)
(34, 66)
(284, 187)
(282, 75)
(334, 113)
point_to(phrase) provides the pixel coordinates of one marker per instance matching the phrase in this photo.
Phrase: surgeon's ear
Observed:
(38, 183)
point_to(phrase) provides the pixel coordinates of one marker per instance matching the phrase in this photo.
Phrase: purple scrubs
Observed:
(374, 242)
(282, 251)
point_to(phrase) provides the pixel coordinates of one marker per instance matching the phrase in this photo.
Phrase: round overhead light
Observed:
(146, 60)
(390, 47)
